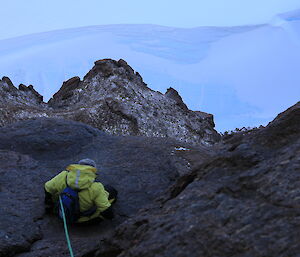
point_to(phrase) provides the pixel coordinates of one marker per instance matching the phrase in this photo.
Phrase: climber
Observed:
(93, 200)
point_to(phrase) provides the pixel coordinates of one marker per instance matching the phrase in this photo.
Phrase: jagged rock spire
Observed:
(114, 98)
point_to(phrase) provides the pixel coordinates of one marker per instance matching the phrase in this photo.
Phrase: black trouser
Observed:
(113, 193)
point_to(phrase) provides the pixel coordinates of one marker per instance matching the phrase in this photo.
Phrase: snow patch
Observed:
(181, 148)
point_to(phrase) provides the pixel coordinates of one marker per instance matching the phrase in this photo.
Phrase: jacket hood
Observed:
(80, 176)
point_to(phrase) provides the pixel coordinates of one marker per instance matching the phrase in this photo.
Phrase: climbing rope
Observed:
(66, 228)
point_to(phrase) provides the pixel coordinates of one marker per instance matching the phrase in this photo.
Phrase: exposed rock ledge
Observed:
(113, 98)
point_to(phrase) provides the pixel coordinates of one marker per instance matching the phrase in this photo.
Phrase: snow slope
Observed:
(243, 75)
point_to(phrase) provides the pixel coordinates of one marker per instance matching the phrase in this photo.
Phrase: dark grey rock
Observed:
(20, 203)
(243, 201)
(33, 151)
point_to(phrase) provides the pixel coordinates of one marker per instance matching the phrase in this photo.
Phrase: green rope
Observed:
(66, 228)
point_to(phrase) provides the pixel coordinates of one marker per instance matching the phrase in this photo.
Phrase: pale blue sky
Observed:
(20, 17)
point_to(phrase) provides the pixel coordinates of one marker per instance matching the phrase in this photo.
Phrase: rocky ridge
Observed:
(19, 103)
(113, 98)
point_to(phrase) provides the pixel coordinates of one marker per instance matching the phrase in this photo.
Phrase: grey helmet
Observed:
(87, 161)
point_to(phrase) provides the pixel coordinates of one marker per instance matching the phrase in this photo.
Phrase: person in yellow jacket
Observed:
(94, 200)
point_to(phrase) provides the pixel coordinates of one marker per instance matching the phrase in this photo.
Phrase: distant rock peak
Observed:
(106, 68)
(31, 90)
(8, 82)
(114, 98)
(22, 95)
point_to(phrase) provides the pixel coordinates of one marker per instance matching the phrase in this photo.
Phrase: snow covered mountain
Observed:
(242, 75)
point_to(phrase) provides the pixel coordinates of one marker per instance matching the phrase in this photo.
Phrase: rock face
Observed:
(18, 104)
(113, 98)
(239, 197)
(243, 201)
(25, 95)
(33, 151)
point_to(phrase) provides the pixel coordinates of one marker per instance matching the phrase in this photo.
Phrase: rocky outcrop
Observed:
(65, 92)
(33, 151)
(243, 201)
(114, 98)
(173, 94)
(19, 104)
(32, 91)
(23, 96)
(207, 117)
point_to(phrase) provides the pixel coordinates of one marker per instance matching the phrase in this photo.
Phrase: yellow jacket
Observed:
(81, 177)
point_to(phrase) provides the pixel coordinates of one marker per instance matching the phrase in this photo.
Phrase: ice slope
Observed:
(243, 75)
